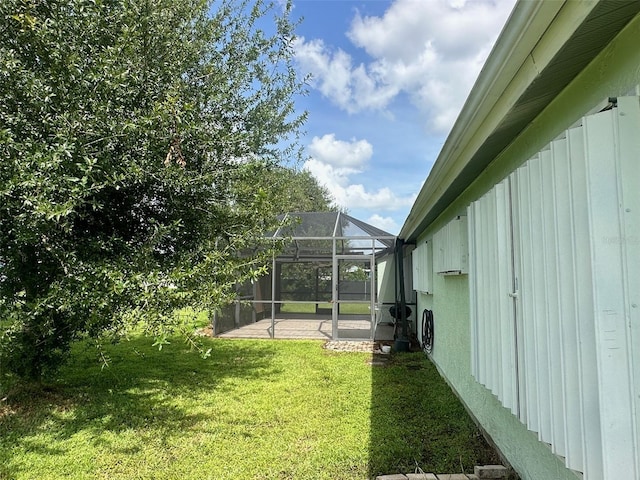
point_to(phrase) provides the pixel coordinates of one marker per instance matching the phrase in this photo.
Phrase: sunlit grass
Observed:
(252, 410)
(345, 308)
(255, 409)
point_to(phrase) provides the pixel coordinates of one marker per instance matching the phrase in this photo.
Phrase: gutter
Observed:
(533, 35)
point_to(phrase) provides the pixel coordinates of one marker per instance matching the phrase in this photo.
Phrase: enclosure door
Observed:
(354, 295)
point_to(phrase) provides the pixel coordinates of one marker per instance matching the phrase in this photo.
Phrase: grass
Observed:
(417, 420)
(345, 308)
(256, 409)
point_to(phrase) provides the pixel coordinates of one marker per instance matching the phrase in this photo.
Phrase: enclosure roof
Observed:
(312, 225)
(313, 234)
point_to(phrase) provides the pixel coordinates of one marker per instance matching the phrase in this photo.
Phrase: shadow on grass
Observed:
(416, 420)
(139, 390)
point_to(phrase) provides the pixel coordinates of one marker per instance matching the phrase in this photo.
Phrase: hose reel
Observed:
(427, 331)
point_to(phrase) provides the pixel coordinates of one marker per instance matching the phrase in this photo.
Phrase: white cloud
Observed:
(331, 71)
(430, 50)
(338, 153)
(350, 88)
(334, 162)
(387, 224)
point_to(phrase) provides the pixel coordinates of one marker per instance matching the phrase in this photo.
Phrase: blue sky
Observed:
(388, 80)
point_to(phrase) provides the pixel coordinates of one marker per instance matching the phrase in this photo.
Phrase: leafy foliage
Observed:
(284, 189)
(125, 128)
(300, 191)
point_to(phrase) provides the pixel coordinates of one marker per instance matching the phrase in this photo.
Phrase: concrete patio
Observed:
(311, 328)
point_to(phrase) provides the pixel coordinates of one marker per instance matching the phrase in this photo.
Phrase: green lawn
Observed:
(256, 409)
(345, 308)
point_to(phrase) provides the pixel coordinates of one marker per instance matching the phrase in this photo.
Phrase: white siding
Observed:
(422, 263)
(492, 307)
(565, 230)
(608, 255)
(450, 249)
(566, 314)
(589, 411)
(629, 191)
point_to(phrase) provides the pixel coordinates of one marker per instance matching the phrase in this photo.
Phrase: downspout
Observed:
(402, 342)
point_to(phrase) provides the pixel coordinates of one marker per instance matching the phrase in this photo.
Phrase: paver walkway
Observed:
(486, 472)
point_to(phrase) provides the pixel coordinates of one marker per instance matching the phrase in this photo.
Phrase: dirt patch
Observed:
(204, 332)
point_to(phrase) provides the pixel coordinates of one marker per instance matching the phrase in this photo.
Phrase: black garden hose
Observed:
(427, 331)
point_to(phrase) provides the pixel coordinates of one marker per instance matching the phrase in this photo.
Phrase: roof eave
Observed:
(533, 35)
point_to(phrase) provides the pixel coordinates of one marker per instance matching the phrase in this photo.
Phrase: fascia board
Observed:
(533, 35)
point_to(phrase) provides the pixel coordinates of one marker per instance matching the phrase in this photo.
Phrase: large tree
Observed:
(286, 188)
(303, 193)
(125, 127)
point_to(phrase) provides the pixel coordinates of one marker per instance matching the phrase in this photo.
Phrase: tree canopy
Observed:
(287, 188)
(126, 127)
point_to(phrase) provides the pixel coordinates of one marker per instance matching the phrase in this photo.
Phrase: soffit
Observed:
(600, 26)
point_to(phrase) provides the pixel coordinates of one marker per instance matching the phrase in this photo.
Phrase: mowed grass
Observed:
(345, 308)
(256, 409)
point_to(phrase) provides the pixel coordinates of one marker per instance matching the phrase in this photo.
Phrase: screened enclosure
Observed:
(332, 269)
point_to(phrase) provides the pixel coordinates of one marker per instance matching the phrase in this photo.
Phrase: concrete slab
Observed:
(421, 476)
(491, 471)
(309, 328)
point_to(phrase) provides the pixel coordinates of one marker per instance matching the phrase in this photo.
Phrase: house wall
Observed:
(385, 279)
(615, 72)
